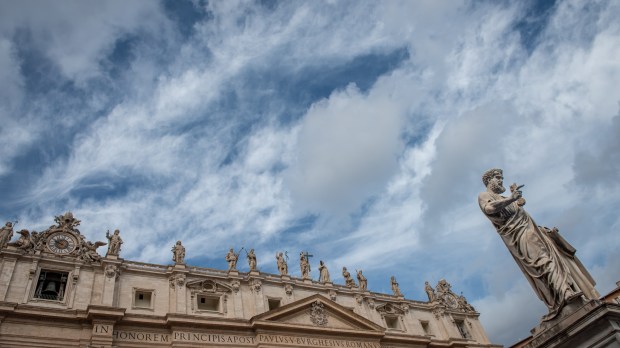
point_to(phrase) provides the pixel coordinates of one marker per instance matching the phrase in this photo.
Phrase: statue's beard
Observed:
(496, 188)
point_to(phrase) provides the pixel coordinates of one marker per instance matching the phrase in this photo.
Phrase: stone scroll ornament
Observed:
(545, 258)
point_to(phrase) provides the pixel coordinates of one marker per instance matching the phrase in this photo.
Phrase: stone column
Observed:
(178, 291)
(8, 266)
(103, 319)
(111, 270)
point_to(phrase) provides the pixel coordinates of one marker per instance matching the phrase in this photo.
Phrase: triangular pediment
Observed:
(316, 312)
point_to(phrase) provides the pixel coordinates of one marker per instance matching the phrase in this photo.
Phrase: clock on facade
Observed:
(61, 243)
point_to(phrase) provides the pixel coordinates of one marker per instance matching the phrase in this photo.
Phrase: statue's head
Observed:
(117, 232)
(493, 180)
(344, 269)
(178, 242)
(9, 224)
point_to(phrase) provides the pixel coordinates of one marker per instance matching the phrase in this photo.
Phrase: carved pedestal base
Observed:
(254, 273)
(579, 324)
(285, 277)
(233, 272)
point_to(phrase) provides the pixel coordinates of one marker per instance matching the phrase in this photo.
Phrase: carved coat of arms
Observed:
(318, 315)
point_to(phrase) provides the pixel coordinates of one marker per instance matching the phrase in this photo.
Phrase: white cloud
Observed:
(409, 151)
(348, 146)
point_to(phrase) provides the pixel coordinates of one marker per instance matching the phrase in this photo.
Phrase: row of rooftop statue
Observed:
(65, 239)
(178, 256)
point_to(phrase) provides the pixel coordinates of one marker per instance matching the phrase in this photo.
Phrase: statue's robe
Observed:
(545, 258)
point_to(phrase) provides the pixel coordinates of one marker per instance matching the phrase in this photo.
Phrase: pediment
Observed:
(316, 312)
(208, 285)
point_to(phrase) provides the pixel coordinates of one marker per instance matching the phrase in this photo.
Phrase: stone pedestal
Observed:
(254, 273)
(580, 324)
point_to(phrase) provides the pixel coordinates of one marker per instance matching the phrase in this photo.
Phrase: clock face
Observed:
(451, 301)
(61, 243)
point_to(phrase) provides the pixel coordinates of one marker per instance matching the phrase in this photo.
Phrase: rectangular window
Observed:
(51, 285)
(425, 327)
(208, 303)
(462, 329)
(391, 322)
(273, 303)
(143, 299)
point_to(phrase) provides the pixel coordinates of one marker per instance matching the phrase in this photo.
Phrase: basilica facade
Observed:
(56, 290)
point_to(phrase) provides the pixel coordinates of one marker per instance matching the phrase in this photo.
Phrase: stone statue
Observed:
(464, 305)
(348, 280)
(395, 287)
(324, 273)
(232, 258)
(24, 242)
(6, 233)
(430, 292)
(304, 265)
(545, 258)
(114, 243)
(252, 260)
(178, 253)
(282, 265)
(361, 280)
(88, 251)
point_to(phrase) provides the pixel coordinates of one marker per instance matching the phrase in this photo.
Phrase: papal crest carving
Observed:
(318, 315)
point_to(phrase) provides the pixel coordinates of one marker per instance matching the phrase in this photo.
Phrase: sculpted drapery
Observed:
(545, 258)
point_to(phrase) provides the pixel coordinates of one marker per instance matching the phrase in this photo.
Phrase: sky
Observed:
(355, 130)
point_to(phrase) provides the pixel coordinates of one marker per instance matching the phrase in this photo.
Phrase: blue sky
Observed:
(355, 130)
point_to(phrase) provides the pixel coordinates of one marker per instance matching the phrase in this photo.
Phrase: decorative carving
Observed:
(359, 299)
(210, 286)
(371, 302)
(333, 295)
(361, 280)
(232, 258)
(318, 315)
(178, 253)
(282, 264)
(404, 307)
(395, 287)
(88, 251)
(347, 278)
(25, 242)
(446, 298)
(323, 273)
(6, 233)
(177, 280)
(235, 285)
(111, 271)
(288, 289)
(390, 308)
(252, 260)
(114, 243)
(66, 223)
(255, 284)
(545, 258)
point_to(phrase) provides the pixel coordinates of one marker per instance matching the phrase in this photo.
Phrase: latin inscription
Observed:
(102, 329)
(236, 340)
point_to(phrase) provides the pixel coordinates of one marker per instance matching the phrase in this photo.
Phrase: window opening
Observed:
(51, 285)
